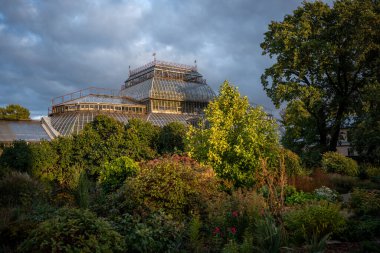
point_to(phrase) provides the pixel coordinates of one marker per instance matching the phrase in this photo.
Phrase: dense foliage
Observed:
(316, 220)
(334, 162)
(73, 230)
(234, 137)
(326, 57)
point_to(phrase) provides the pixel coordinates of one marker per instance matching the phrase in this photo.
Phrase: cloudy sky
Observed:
(49, 48)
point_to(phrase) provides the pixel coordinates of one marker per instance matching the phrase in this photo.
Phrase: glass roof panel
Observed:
(28, 130)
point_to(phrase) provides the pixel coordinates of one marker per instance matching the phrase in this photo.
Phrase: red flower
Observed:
(235, 214)
(233, 230)
(216, 231)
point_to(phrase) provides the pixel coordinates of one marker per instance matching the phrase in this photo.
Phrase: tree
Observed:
(365, 134)
(14, 112)
(237, 138)
(325, 58)
(140, 139)
(171, 138)
(100, 141)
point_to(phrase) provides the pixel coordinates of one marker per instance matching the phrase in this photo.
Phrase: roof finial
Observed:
(195, 64)
(154, 56)
(129, 68)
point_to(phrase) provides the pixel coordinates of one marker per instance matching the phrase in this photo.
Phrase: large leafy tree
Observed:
(325, 57)
(14, 112)
(236, 137)
(365, 135)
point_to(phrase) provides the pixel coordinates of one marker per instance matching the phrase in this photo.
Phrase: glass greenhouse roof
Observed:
(73, 122)
(101, 99)
(28, 130)
(161, 88)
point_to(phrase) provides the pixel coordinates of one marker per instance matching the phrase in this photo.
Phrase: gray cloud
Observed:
(49, 48)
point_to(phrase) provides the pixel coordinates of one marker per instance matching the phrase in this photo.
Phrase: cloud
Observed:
(49, 48)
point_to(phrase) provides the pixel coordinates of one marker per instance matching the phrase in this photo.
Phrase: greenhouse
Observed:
(159, 92)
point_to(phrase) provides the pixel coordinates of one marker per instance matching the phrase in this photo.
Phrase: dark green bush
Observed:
(365, 202)
(73, 230)
(363, 228)
(157, 232)
(19, 188)
(342, 183)
(334, 162)
(113, 174)
(17, 156)
(317, 219)
(171, 138)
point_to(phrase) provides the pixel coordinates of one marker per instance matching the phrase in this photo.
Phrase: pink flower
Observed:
(235, 214)
(233, 230)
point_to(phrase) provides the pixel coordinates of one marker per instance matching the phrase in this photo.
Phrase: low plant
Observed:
(342, 183)
(362, 228)
(316, 219)
(268, 236)
(300, 198)
(365, 202)
(326, 193)
(334, 162)
(73, 230)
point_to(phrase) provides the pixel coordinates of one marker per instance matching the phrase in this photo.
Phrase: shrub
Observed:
(19, 188)
(341, 183)
(17, 156)
(373, 173)
(300, 198)
(73, 230)
(317, 219)
(292, 163)
(336, 163)
(157, 232)
(364, 228)
(365, 202)
(113, 174)
(178, 185)
(43, 160)
(239, 211)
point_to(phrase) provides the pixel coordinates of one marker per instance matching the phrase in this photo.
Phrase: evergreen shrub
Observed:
(334, 162)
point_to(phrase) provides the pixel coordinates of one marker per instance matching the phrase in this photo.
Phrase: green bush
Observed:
(19, 188)
(300, 198)
(365, 202)
(73, 230)
(178, 185)
(373, 173)
(157, 232)
(113, 174)
(292, 163)
(334, 162)
(317, 219)
(17, 156)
